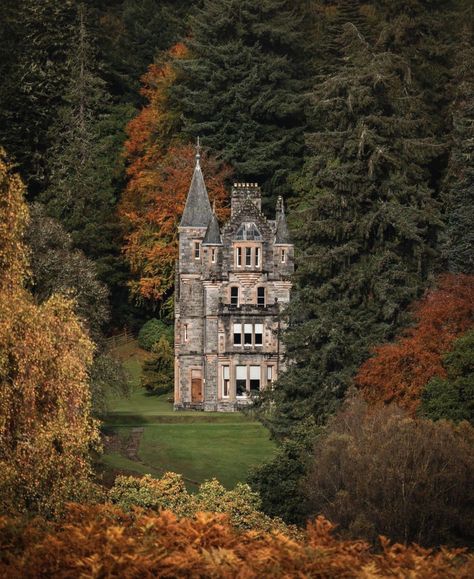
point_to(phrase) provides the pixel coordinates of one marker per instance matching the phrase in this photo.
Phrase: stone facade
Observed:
(231, 286)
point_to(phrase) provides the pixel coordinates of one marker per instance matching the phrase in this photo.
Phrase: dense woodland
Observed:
(361, 115)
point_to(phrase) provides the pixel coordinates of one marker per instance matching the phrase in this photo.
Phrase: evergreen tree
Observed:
(34, 41)
(82, 160)
(241, 90)
(421, 32)
(452, 397)
(158, 371)
(366, 226)
(458, 188)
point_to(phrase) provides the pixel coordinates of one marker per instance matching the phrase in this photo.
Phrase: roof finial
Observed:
(214, 206)
(198, 151)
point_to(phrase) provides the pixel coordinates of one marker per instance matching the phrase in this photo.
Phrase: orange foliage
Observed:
(102, 541)
(159, 173)
(399, 371)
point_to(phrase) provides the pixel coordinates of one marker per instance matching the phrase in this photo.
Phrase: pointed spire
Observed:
(282, 234)
(197, 211)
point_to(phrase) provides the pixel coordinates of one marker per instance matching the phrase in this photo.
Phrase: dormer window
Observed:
(248, 231)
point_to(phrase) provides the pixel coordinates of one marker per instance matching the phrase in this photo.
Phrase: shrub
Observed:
(452, 398)
(103, 541)
(378, 471)
(152, 331)
(241, 504)
(158, 372)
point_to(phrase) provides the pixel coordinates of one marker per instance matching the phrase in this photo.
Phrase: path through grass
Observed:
(198, 445)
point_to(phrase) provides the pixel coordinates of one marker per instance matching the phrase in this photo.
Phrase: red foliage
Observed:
(399, 371)
(159, 173)
(102, 541)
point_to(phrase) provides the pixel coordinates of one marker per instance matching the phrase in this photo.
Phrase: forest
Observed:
(360, 115)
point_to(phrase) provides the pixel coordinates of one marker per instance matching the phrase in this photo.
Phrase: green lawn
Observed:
(198, 445)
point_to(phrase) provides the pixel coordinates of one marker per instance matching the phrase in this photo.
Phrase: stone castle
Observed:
(230, 289)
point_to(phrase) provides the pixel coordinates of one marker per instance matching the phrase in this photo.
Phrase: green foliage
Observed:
(107, 378)
(241, 504)
(56, 267)
(452, 398)
(365, 224)
(152, 331)
(158, 372)
(242, 89)
(458, 187)
(278, 482)
(34, 40)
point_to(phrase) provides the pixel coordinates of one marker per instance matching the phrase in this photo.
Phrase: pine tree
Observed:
(365, 223)
(241, 89)
(458, 187)
(34, 41)
(82, 160)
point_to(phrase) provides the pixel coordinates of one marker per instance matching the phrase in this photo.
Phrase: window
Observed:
(234, 296)
(238, 256)
(185, 332)
(257, 257)
(241, 381)
(225, 381)
(269, 375)
(213, 255)
(197, 250)
(258, 334)
(248, 232)
(247, 334)
(248, 256)
(261, 296)
(237, 334)
(283, 255)
(254, 379)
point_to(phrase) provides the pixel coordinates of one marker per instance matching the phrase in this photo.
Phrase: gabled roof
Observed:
(213, 233)
(282, 235)
(197, 211)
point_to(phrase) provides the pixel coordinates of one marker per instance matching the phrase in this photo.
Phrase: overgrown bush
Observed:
(377, 471)
(152, 331)
(241, 504)
(103, 541)
(158, 372)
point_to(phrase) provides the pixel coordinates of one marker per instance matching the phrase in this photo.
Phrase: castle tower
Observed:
(232, 284)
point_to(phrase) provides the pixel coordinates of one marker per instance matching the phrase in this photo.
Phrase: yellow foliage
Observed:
(46, 431)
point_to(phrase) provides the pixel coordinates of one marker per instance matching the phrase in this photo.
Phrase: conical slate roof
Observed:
(197, 212)
(282, 234)
(213, 233)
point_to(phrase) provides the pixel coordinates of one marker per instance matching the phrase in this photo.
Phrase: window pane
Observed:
(234, 296)
(241, 372)
(247, 334)
(254, 372)
(248, 328)
(257, 257)
(261, 296)
(269, 373)
(248, 256)
(226, 372)
(237, 334)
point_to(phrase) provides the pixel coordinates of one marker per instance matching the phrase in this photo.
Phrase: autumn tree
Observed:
(46, 431)
(376, 471)
(399, 371)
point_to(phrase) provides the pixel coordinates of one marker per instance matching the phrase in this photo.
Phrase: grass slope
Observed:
(198, 445)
